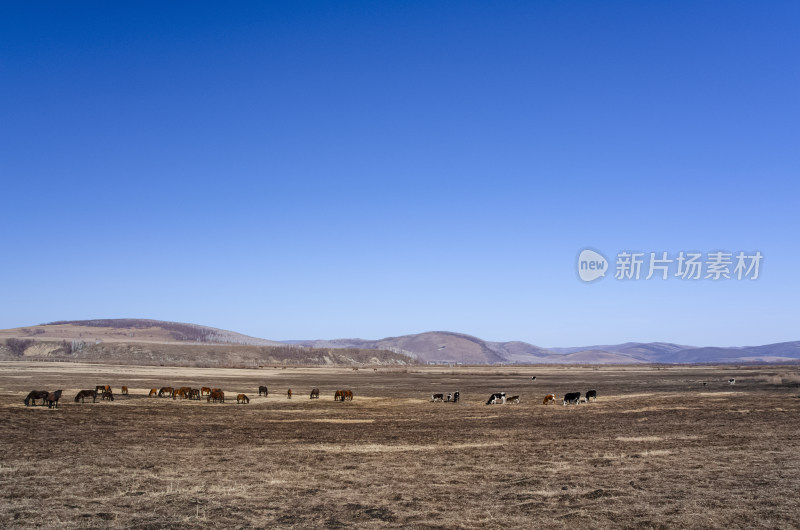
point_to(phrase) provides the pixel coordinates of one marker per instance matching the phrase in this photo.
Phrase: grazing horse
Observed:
(314, 393)
(182, 391)
(166, 391)
(263, 390)
(108, 395)
(437, 397)
(83, 394)
(52, 399)
(102, 388)
(348, 395)
(124, 391)
(289, 393)
(338, 395)
(34, 395)
(153, 392)
(204, 391)
(549, 398)
(241, 398)
(218, 396)
(194, 393)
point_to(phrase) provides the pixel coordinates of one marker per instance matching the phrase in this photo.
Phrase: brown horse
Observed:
(204, 391)
(348, 395)
(314, 393)
(101, 388)
(194, 393)
(107, 396)
(165, 391)
(83, 394)
(52, 399)
(153, 392)
(263, 390)
(289, 393)
(182, 391)
(36, 394)
(241, 398)
(124, 391)
(338, 395)
(216, 396)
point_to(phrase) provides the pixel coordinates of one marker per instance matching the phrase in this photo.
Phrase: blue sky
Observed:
(339, 169)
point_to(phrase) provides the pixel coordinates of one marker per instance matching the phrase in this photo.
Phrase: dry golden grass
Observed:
(653, 451)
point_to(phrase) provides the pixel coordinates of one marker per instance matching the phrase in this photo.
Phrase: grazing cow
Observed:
(204, 391)
(107, 395)
(704, 383)
(497, 397)
(36, 394)
(572, 397)
(314, 393)
(165, 391)
(153, 392)
(241, 398)
(456, 396)
(514, 399)
(549, 398)
(52, 399)
(124, 391)
(533, 378)
(217, 396)
(437, 397)
(83, 394)
(591, 394)
(338, 395)
(731, 381)
(289, 394)
(263, 390)
(449, 398)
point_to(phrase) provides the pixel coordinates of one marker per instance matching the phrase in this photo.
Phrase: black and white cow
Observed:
(456, 395)
(731, 381)
(497, 397)
(591, 394)
(449, 398)
(437, 397)
(572, 397)
(533, 378)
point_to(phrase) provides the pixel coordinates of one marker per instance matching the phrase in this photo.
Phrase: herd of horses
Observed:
(213, 395)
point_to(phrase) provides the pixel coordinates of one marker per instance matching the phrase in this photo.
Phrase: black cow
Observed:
(437, 397)
(456, 395)
(572, 397)
(497, 396)
(591, 394)
(263, 390)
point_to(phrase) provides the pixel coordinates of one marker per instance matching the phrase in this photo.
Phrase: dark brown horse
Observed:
(108, 395)
(315, 393)
(338, 395)
(83, 394)
(217, 396)
(102, 388)
(289, 393)
(165, 391)
(34, 395)
(204, 391)
(124, 391)
(182, 391)
(241, 398)
(348, 395)
(52, 399)
(263, 390)
(194, 393)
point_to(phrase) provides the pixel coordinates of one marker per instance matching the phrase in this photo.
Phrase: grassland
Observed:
(656, 450)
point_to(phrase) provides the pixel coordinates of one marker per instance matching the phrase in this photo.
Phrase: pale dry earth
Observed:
(656, 450)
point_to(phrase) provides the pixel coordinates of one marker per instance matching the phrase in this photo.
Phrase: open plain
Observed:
(657, 448)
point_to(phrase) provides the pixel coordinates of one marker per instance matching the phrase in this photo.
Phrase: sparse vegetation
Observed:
(17, 347)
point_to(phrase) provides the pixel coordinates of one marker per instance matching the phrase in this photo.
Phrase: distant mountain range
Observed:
(431, 347)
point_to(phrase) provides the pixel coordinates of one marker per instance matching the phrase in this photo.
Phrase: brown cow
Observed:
(241, 398)
(549, 398)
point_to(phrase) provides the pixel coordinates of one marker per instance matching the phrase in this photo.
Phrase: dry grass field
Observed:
(657, 449)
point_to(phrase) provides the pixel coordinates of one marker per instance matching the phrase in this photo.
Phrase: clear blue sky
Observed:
(338, 169)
